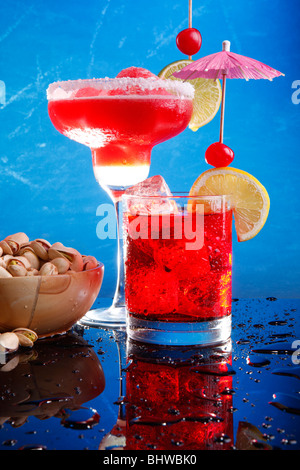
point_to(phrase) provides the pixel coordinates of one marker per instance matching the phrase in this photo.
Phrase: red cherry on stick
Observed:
(189, 41)
(218, 155)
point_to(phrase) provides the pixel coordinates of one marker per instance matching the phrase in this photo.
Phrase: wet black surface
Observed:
(91, 389)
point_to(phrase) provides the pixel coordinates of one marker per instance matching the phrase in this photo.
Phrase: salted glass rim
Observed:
(176, 195)
(65, 89)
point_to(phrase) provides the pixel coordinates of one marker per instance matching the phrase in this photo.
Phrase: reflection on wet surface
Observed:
(178, 398)
(93, 389)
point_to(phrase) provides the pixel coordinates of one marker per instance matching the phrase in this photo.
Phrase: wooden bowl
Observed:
(48, 304)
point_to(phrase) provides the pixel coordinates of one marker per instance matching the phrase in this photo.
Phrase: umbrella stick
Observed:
(222, 108)
(190, 19)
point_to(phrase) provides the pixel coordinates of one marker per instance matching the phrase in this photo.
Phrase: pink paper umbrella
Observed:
(226, 64)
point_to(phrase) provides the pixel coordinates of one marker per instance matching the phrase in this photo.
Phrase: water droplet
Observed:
(278, 322)
(83, 418)
(33, 447)
(223, 439)
(9, 442)
(257, 361)
(290, 372)
(243, 341)
(275, 348)
(286, 402)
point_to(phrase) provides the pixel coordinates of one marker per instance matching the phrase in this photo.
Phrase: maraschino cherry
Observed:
(189, 41)
(219, 155)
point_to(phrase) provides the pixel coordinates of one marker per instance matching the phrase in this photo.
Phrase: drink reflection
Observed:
(52, 380)
(179, 399)
(176, 399)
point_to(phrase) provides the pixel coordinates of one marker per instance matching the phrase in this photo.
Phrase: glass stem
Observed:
(119, 297)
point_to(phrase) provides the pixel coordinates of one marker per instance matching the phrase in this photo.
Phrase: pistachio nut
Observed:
(41, 247)
(6, 248)
(4, 272)
(24, 341)
(10, 365)
(19, 237)
(26, 337)
(21, 257)
(23, 260)
(62, 264)
(32, 272)
(89, 262)
(9, 342)
(48, 269)
(6, 259)
(11, 244)
(32, 257)
(17, 266)
(27, 332)
(58, 250)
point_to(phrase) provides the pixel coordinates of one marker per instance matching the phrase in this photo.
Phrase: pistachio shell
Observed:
(19, 237)
(23, 247)
(2, 263)
(6, 248)
(41, 247)
(58, 245)
(53, 253)
(62, 264)
(26, 332)
(11, 244)
(24, 340)
(6, 258)
(31, 256)
(4, 272)
(89, 262)
(32, 272)
(9, 342)
(58, 250)
(16, 269)
(23, 260)
(10, 365)
(48, 269)
(18, 265)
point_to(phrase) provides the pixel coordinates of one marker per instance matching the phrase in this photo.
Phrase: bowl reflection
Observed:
(41, 382)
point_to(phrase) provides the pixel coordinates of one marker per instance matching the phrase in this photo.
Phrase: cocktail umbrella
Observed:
(223, 65)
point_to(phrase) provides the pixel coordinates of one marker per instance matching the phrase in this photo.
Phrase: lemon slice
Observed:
(248, 197)
(208, 94)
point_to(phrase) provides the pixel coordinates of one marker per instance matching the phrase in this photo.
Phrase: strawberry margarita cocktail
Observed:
(121, 119)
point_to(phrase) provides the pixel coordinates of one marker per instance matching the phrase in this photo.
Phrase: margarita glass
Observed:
(120, 120)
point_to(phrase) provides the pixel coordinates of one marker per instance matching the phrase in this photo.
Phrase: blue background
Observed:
(47, 184)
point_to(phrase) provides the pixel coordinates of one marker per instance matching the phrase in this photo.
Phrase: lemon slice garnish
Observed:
(249, 199)
(208, 94)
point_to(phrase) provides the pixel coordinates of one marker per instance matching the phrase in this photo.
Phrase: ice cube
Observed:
(160, 204)
(153, 186)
